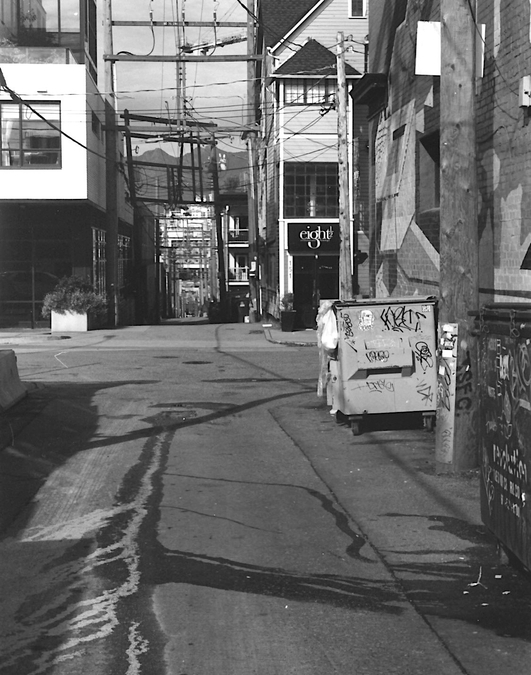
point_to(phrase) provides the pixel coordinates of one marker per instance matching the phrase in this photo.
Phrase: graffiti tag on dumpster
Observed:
(380, 386)
(401, 319)
(425, 392)
(347, 325)
(423, 355)
(377, 356)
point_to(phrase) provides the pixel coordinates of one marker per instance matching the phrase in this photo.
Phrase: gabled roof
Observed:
(313, 59)
(280, 16)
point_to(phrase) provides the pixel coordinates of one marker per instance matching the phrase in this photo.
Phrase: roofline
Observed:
(294, 28)
(277, 76)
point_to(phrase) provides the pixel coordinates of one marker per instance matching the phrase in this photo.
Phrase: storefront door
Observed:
(315, 278)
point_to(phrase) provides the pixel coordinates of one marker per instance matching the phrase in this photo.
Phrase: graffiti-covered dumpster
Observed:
(505, 424)
(386, 358)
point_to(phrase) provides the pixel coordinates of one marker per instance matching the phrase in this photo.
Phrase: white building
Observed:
(54, 208)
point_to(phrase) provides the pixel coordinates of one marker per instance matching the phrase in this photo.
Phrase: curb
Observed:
(288, 343)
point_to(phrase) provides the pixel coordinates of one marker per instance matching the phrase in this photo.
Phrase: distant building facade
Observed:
(299, 198)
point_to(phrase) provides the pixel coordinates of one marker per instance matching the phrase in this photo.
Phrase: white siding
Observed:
(307, 120)
(53, 82)
(311, 149)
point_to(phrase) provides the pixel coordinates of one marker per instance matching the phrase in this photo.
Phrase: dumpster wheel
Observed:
(355, 427)
(429, 421)
(356, 423)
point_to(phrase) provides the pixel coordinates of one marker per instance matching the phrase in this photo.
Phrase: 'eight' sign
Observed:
(313, 238)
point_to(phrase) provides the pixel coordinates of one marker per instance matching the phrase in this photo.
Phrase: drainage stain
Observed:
(244, 380)
(203, 405)
(170, 417)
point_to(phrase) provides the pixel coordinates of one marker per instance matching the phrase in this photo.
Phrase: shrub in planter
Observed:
(74, 297)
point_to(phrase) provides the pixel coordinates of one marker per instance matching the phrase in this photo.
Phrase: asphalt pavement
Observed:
(421, 520)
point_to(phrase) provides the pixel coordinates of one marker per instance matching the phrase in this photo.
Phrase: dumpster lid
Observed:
(407, 300)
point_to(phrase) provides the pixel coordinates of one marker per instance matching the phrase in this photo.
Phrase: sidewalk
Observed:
(272, 333)
(298, 338)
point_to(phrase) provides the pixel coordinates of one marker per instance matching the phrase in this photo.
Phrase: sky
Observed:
(213, 91)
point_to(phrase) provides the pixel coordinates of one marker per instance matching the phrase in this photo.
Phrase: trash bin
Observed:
(386, 358)
(505, 424)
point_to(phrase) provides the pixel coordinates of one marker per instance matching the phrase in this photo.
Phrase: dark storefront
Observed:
(315, 250)
(40, 243)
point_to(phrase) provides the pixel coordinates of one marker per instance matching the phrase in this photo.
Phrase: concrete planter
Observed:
(70, 322)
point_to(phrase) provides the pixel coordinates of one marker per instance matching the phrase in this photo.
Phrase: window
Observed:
(27, 139)
(304, 92)
(124, 260)
(429, 187)
(91, 40)
(429, 170)
(239, 268)
(311, 190)
(96, 124)
(358, 8)
(98, 259)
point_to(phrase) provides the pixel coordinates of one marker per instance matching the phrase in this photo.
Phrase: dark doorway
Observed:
(315, 278)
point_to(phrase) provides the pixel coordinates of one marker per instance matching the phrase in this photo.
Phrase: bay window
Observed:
(308, 91)
(311, 189)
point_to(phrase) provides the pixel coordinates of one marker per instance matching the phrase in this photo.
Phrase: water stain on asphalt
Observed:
(476, 588)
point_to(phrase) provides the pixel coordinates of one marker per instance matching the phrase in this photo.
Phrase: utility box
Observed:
(386, 358)
(505, 424)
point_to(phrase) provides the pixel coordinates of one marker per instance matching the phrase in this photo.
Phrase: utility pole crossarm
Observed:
(172, 122)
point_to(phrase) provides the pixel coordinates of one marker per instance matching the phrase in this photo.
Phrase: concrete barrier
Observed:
(11, 388)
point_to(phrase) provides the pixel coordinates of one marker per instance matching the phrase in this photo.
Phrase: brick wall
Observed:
(405, 223)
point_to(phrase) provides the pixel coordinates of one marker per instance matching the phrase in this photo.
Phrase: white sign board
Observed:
(428, 56)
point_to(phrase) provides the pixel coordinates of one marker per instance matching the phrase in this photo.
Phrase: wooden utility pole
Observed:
(219, 233)
(181, 68)
(254, 280)
(459, 229)
(345, 258)
(111, 174)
